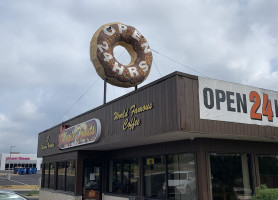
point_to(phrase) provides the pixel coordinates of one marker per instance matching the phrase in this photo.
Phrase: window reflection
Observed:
(51, 175)
(154, 177)
(268, 168)
(181, 176)
(230, 176)
(46, 175)
(170, 177)
(70, 176)
(61, 175)
(124, 176)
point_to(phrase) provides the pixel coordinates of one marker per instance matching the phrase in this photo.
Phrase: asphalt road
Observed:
(30, 179)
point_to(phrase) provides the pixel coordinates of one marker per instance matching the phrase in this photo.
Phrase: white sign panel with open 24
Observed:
(231, 102)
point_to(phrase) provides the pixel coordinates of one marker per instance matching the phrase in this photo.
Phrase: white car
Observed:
(6, 195)
(183, 181)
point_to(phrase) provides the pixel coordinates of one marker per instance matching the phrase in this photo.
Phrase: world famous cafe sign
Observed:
(230, 102)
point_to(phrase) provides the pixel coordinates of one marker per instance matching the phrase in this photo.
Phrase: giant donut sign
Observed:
(108, 68)
(231, 102)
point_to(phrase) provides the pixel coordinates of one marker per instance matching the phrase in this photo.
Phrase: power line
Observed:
(157, 68)
(179, 63)
(76, 101)
(173, 60)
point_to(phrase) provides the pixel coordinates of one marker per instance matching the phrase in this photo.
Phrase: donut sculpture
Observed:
(108, 68)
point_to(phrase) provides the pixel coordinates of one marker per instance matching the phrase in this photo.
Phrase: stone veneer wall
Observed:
(57, 195)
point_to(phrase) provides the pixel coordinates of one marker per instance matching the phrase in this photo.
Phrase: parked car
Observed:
(10, 195)
(183, 181)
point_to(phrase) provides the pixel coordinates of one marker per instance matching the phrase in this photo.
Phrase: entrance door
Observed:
(92, 181)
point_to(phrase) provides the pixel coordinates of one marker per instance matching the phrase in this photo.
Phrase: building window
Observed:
(170, 177)
(181, 176)
(230, 176)
(65, 175)
(268, 169)
(46, 175)
(51, 175)
(116, 175)
(130, 176)
(70, 176)
(155, 177)
(124, 176)
(92, 182)
(61, 178)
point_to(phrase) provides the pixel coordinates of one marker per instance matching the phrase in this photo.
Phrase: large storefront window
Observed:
(170, 177)
(130, 176)
(61, 175)
(116, 177)
(46, 175)
(70, 176)
(92, 181)
(230, 176)
(154, 177)
(51, 175)
(181, 177)
(65, 175)
(268, 168)
(124, 176)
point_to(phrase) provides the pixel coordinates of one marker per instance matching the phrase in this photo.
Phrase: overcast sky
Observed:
(45, 63)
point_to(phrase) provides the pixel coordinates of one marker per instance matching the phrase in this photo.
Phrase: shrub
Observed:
(32, 193)
(264, 193)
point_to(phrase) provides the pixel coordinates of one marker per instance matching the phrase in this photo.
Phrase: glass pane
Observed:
(61, 175)
(46, 175)
(134, 176)
(70, 179)
(154, 177)
(230, 176)
(130, 176)
(51, 175)
(117, 178)
(268, 167)
(126, 176)
(181, 177)
(92, 181)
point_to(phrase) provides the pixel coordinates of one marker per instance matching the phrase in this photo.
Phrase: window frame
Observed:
(166, 171)
(122, 162)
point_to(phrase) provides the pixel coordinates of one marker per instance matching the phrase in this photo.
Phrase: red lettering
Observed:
(255, 97)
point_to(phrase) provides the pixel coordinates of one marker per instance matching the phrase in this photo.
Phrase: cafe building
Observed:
(180, 137)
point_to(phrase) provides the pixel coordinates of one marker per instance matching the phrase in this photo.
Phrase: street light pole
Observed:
(9, 174)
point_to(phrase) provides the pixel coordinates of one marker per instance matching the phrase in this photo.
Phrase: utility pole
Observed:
(9, 174)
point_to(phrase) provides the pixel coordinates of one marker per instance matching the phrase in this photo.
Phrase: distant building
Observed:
(19, 160)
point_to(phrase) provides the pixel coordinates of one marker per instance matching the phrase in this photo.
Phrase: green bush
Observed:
(32, 193)
(264, 193)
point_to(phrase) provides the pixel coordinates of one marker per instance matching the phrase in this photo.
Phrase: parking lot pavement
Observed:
(21, 183)
(30, 179)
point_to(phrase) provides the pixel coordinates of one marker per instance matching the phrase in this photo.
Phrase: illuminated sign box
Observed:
(80, 134)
